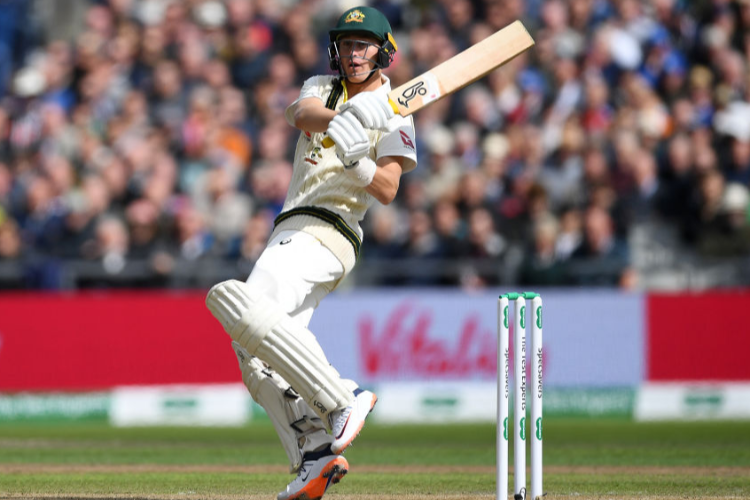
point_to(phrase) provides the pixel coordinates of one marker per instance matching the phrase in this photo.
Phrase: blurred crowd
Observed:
(157, 135)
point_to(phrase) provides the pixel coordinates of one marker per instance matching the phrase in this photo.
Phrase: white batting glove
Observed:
(352, 143)
(352, 146)
(371, 109)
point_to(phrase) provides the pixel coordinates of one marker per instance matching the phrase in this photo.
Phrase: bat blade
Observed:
(462, 69)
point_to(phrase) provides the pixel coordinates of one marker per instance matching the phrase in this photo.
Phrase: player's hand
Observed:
(352, 143)
(371, 109)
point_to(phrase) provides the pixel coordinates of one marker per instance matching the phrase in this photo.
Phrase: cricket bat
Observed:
(458, 71)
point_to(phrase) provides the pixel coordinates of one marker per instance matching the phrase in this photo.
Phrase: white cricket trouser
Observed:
(296, 270)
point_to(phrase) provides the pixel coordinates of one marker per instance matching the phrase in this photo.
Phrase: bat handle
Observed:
(394, 106)
(328, 142)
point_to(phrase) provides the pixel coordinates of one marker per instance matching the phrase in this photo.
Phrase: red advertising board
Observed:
(99, 340)
(87, 341)
(698, 337)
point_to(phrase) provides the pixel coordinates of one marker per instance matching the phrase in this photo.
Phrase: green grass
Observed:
(586, 458)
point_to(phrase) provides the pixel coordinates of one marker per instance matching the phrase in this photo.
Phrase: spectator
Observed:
(43, 218)
(635, 108)
(10, 239)
(142, 217)
(450, 229)
(562, 177)
(384, 241)
(269, 182)
(602, 257)
(422, 243)
(193, 240)
(569, 234)
(639, 205)
(728, 234)
(255, 236)
(421, 239)
(226, 209)
(485, 246)
(738, 165)
(444, 168)
(166, 99)
(471, 192)
(494, 165)
(705, 205)
(677, 178)
(541, 265)
(111, 244)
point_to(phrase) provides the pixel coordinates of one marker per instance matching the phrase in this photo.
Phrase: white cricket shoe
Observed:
(314, 477)
(347, 423)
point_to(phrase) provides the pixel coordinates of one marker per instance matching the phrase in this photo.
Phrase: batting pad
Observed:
(299, 429)
(260, 326)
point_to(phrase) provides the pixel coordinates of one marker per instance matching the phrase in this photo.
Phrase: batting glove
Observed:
(371, 109)
(352, 146)
(352, 143)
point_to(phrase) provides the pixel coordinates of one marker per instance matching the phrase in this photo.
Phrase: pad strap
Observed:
(296, 424)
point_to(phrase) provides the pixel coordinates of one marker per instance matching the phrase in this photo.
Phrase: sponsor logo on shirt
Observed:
(408, 142)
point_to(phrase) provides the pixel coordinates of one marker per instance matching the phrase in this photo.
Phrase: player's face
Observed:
(358, 54)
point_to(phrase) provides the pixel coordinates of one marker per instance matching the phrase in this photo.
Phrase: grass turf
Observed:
(584, 458)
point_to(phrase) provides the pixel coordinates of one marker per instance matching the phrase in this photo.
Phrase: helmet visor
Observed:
(351, 53)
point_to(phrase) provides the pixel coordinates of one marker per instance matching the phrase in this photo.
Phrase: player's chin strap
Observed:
(369, 74)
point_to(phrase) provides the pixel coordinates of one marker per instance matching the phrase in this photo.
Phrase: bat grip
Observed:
(394, 106)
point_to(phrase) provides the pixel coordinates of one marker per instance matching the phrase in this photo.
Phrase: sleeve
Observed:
(399, 141)
(315, 86)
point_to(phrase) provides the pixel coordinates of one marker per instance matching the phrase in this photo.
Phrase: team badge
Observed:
(355, 16)
(314, 155)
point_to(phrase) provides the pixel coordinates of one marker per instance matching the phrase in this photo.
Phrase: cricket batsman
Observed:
(314, 245)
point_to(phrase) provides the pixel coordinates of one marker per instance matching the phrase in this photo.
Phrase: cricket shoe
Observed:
(314, 477)
(347, 423)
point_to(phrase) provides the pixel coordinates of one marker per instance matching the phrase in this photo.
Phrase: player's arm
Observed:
(311, 115)
(384, 185)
